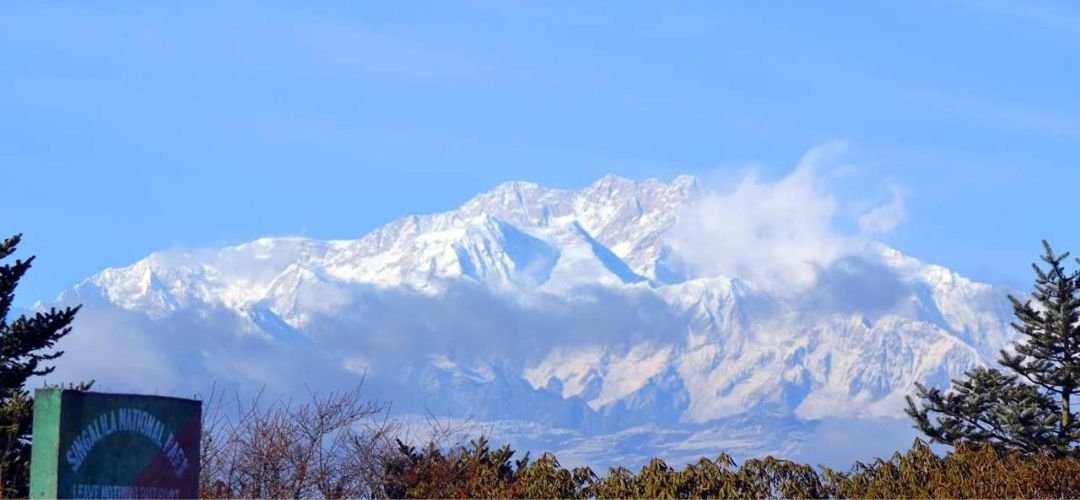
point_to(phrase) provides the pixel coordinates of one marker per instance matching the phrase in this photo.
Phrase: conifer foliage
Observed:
(1030, 410)
(24, 353)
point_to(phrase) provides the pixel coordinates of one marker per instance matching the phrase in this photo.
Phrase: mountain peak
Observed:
(611, 180)
(517, 190)
(688, 183)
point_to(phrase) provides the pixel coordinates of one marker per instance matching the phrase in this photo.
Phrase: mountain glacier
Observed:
(563, 319)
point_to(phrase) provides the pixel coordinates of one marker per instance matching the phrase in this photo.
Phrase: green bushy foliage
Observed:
(478, 471)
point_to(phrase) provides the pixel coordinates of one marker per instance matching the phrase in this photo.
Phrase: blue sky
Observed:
(134, 127)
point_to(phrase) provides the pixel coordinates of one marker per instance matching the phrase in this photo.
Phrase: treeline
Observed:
(477, 471)
(338, 446)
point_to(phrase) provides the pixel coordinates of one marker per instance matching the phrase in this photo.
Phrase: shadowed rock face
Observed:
(557, 307)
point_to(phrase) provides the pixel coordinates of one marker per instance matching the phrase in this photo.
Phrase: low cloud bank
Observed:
(387, 337)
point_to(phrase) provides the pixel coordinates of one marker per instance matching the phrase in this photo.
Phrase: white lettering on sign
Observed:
(121, 491)
(126, 420)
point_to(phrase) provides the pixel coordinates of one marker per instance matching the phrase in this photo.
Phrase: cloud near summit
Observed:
(778, 235)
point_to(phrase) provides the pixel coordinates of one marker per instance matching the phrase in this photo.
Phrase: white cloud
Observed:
(776, 235)
(112, 348)
(886, 218)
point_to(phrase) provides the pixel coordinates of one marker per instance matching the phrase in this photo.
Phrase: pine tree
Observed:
(988, 406)
(23, 346)
(1029, 411)
(1049, 356)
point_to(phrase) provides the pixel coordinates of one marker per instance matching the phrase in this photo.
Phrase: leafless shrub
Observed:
(327, 446)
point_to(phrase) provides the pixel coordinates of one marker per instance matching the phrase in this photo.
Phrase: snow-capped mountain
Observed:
(564, 308)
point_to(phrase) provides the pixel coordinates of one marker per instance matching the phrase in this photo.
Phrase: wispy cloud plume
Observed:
(885, 218)
(778, 235)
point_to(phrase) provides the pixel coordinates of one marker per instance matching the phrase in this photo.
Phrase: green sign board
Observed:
(97, 445)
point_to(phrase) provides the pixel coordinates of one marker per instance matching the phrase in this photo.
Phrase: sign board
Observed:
(98, 445)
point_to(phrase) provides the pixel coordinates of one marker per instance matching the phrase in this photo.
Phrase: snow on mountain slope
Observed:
(568, 308)
(510, 237)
